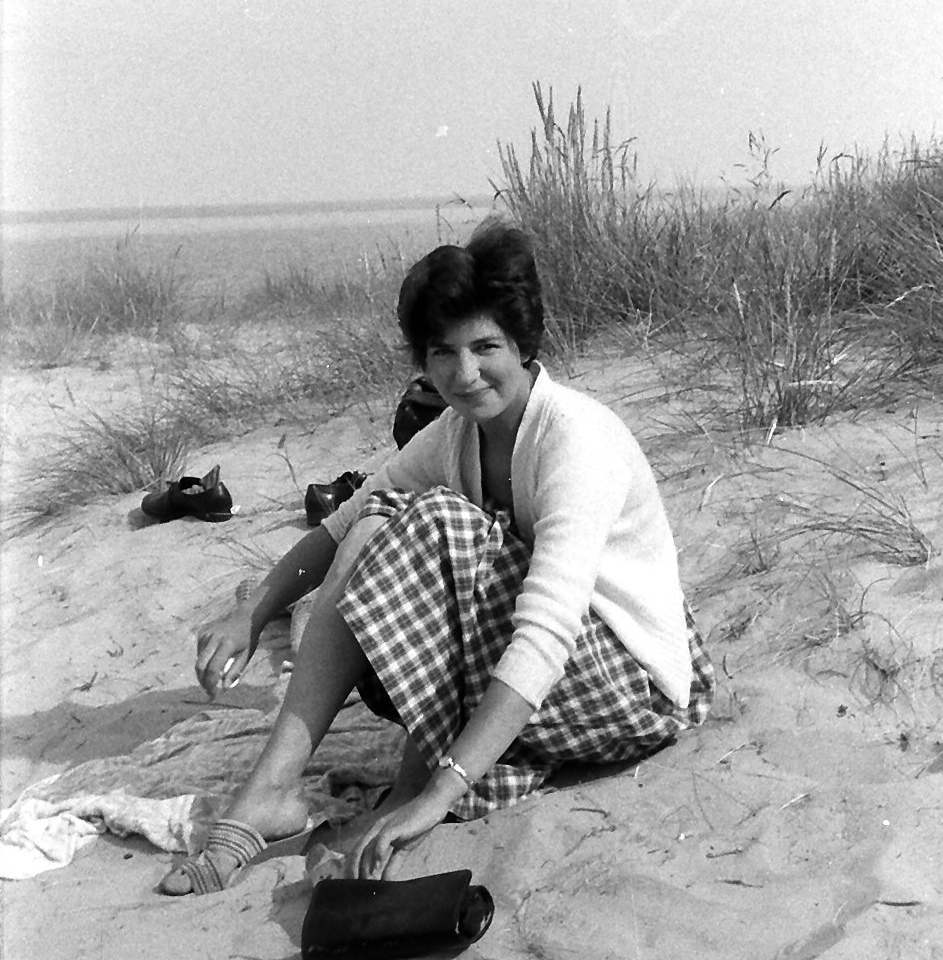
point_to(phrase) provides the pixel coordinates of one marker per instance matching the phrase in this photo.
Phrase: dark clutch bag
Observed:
(386, 919)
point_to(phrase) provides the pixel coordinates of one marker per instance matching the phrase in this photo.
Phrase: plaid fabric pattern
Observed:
(430, 602)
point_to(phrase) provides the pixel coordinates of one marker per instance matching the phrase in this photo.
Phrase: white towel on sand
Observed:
(38, 835)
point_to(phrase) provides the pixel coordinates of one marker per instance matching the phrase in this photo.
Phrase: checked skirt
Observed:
(430, 602)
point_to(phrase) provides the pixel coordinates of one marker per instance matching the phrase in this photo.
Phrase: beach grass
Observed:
(881, 519)
(100, 455)
(811, 299)
(122, 294)
(367, 288)
(782, 305)
(211, 387)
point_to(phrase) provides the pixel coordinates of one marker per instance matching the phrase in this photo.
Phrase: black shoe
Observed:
(206, 499)
(346, 485)
(319, 502)
(322, 499)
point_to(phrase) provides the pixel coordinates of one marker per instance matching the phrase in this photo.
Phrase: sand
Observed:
(804, 820)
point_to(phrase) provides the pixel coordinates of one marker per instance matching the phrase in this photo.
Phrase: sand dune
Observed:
(804, 820)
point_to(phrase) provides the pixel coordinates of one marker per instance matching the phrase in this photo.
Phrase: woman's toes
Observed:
(206, 873)
(176, 883)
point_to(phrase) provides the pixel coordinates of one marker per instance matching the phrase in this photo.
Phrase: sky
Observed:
(161, 102)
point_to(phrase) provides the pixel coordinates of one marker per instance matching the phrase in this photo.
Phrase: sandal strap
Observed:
(239, 840)
(203, 876)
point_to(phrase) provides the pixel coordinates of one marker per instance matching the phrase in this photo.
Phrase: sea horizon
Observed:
(211, 210)
(228, 247)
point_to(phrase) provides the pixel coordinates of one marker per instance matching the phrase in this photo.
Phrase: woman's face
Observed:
(477, 368)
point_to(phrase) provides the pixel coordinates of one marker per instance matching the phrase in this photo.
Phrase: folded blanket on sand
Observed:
(171, 789)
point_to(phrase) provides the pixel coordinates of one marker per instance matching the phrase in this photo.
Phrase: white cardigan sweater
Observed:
(586, 503)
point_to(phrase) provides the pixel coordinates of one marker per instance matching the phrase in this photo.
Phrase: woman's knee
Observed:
(350, 548)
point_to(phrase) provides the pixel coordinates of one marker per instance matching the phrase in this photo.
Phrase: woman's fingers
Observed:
(396, 851)
(378, 855)
(387, 873)
(362, 855)
(223, 648)
(401, 830)
(216, 665)
(205, 648)
(372, 856)
(232, 669)
(223, 669)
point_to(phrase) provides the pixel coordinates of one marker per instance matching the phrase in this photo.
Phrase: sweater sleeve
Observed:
(419, 466)
(583, 483)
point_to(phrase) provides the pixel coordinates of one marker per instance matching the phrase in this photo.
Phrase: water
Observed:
(225, 255)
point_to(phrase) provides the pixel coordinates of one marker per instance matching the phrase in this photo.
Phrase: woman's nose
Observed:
(466, 369)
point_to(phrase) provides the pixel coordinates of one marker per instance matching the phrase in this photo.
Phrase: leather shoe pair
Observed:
(322, 499)
(206, 499)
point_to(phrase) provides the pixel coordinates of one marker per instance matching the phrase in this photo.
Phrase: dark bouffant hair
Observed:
(493, 273)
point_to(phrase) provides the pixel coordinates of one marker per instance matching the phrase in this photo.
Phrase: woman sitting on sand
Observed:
(505, 587)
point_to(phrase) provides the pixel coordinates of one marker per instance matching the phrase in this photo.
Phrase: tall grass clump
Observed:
(241, 390)
(832, 296)
(883, 218)
(126, 293)
(367, 289)
(98, 456)
(211, 397)
(803, 300)
(288, 369)
(592, 222)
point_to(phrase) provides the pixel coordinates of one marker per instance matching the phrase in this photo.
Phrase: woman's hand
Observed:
(399, 830)
(230, 639)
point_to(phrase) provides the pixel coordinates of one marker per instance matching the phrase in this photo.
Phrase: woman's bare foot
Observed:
(274, 814)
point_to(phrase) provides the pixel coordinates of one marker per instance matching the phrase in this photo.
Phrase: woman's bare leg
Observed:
(328, 665)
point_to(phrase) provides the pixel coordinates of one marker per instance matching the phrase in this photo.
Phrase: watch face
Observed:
(452, 764)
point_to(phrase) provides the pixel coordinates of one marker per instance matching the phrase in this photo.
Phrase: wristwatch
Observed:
(450, 763)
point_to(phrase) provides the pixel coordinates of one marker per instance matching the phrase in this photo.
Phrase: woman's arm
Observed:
(583, 500)
(234, 637)
(492, 727)
(419, 466)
